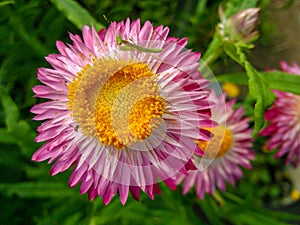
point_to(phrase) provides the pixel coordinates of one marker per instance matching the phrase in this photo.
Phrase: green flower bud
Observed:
(241, 27)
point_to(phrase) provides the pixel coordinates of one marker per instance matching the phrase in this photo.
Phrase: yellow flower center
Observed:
(116, 101)
(219, 144)
(231, 89)
(295, 195)
(144, 114)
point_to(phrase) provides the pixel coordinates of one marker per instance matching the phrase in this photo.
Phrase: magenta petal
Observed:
(200, 187)
(123, 192)
(86, 185)
(190, 165)
(170, 183)
(92, 193)
(103, 185)
(77, 175)
(135, 192)
(110, 193)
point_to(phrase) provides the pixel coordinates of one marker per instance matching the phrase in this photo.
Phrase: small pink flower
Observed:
(229, 148)
(123, 114)
(284, 122)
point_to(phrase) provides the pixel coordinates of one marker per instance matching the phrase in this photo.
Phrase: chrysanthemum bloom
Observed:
(124, 105)
(284, 122)
(229, 148)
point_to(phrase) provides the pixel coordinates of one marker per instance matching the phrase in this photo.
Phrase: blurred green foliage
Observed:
(28, 195)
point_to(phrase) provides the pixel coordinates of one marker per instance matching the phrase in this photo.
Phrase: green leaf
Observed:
(249, 217)
(283, 81)
(76, 14)
(10, 109)
(235, 6)
(7, 2)
(20, 28)
(258, 86)
(6, 137)
(73, 219)
(232, 51)
(35, 189)
(24, 136)
(277, 80)
(200, 8)
(283, 216)
(260, 91)
(236, 78)
(242, 211)
(18, 131)
(209, 208)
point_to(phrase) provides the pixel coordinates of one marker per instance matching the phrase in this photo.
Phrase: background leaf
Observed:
(3, 3)
(277, 80)
(35, 189)
(78, 15)
(10, 109)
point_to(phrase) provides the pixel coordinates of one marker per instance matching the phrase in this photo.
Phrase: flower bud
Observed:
(241, 27)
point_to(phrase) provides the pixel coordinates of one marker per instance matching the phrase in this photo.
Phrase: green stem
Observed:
(213, 52)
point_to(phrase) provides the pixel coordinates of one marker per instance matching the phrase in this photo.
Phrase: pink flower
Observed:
(284, 122)
(122, 112)
(229, 148)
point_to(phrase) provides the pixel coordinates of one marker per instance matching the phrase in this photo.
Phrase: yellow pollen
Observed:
(219, 144)
(73, 86)
(118, 102)
(143, 115)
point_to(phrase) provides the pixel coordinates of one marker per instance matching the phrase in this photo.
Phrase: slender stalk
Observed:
(213, 52)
